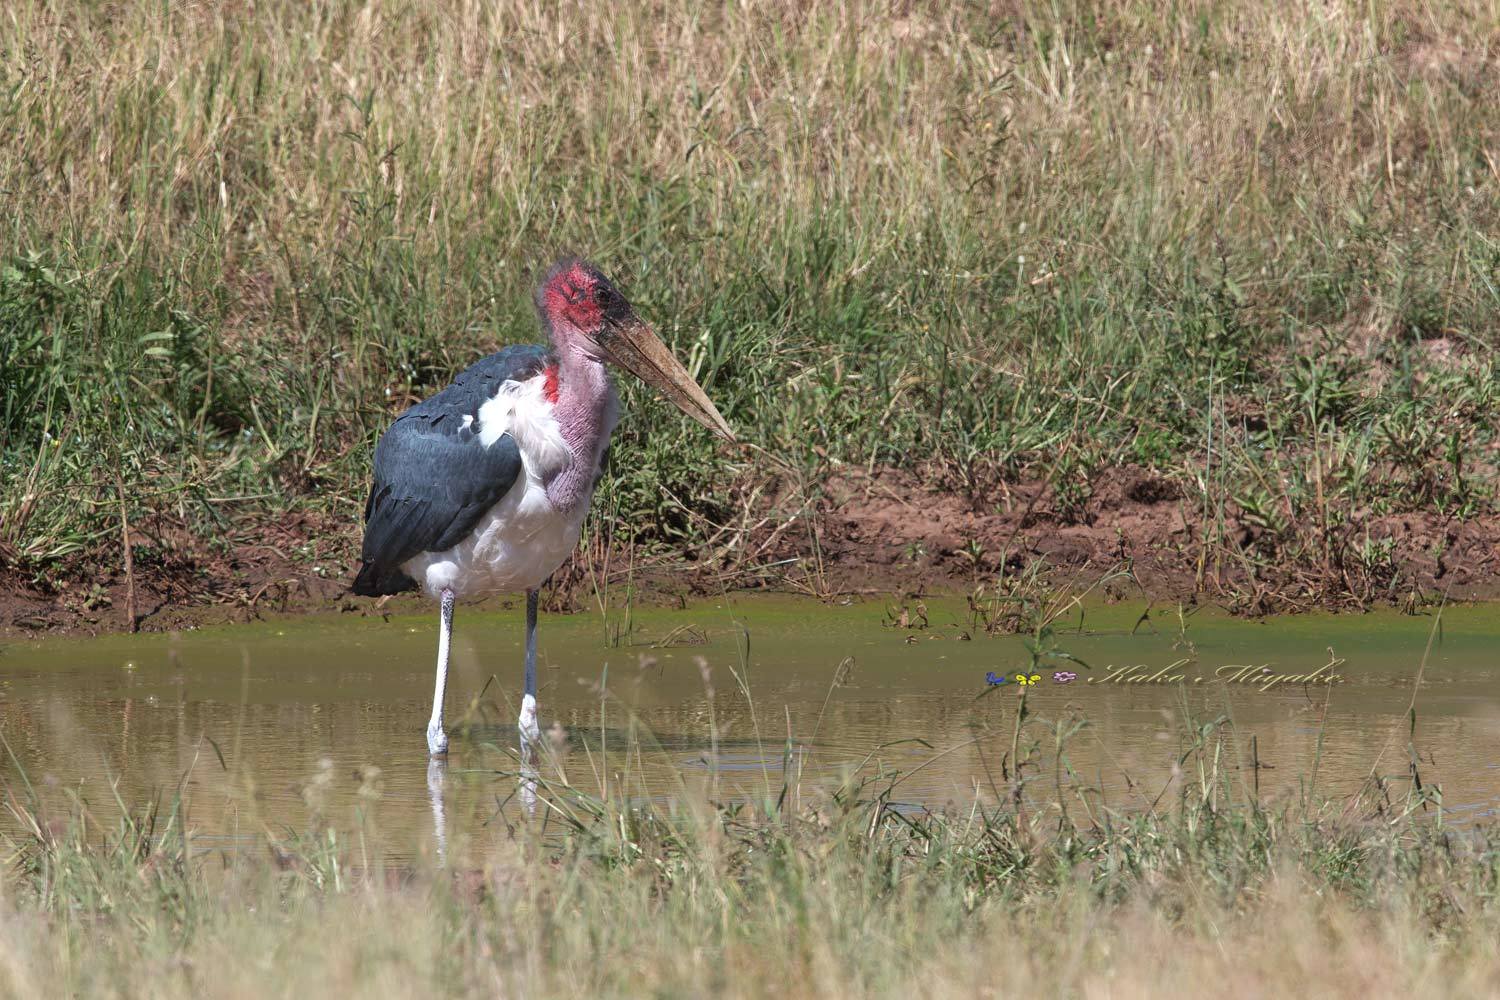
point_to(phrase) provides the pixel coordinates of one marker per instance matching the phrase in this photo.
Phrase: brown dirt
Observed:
(892, 530)
(875, 534)
(194, 584)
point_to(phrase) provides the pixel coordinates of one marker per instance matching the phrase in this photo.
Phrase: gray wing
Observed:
(433, 478)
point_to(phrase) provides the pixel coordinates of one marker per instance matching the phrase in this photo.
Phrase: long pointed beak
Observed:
(634, 347)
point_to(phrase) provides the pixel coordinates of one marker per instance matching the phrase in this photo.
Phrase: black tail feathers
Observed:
(376, 580)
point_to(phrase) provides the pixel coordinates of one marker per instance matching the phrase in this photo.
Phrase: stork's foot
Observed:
(437, 740)
(527, 789)
(531, 735)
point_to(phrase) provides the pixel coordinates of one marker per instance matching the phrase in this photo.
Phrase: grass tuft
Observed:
(1250, 248)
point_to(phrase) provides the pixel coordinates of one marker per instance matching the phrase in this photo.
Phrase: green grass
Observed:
(1249, 247)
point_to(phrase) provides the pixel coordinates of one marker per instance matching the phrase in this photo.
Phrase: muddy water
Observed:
(275, 727)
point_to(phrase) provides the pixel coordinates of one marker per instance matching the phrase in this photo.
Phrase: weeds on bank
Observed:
(1247, 247)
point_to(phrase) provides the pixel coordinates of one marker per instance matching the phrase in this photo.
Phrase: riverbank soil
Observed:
(864, 535)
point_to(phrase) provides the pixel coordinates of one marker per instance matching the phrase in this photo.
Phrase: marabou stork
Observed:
(483, 487)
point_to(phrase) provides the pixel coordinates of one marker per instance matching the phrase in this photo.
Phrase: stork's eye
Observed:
(604, 296)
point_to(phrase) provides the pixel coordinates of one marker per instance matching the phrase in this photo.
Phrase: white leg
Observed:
(437, 739)
(530, 734)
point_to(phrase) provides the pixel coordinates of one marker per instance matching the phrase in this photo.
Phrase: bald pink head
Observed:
(576, 298)
(588, 319)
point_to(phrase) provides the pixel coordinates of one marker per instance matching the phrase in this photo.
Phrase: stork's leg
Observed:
(530, 734)
(437, 739)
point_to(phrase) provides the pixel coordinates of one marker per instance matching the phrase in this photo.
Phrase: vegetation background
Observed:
(991, 252)
(986, 258)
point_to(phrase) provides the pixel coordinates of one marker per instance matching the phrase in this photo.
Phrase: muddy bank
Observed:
(1152, 540)
(1138, 536)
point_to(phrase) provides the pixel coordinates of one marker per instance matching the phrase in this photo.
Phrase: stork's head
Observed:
(585, 313)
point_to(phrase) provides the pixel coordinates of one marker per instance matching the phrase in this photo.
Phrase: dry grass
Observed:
(378, 944)
(850, 900)
(1226, 242)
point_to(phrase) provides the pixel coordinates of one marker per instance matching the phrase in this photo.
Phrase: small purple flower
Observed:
(1064, 677)
(992, 679)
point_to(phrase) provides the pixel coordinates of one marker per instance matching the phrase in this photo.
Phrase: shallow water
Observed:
(273, 727)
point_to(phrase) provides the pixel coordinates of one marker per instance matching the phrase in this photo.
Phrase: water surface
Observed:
(279, 727)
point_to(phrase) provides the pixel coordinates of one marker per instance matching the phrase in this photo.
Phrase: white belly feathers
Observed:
(519, 542)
